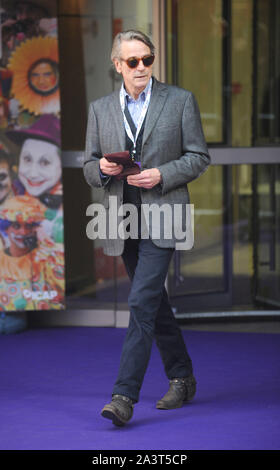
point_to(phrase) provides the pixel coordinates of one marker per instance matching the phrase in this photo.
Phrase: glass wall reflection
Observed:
(201, 269)
(242, 71)
(200, 32)
(267, 234)
(86, 31)
(242, 217)
(268, 72)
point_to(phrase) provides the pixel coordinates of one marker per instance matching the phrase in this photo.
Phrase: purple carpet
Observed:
(54, 383)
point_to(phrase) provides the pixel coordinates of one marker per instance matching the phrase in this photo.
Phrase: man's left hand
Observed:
(146, 179)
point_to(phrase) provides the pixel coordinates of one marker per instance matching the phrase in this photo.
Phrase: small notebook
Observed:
(123, 158)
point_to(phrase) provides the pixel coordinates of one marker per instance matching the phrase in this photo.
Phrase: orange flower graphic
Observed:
(34, 64)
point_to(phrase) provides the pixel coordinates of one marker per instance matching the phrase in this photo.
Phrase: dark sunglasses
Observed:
(133, 62)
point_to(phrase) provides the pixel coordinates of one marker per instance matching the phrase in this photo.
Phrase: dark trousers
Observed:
(150, 317)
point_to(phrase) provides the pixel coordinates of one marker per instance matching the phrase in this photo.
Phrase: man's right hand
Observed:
(110, 168)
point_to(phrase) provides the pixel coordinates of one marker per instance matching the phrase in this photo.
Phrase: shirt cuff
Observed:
(102, 175)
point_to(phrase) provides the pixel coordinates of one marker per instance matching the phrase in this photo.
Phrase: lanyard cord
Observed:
(133, 136)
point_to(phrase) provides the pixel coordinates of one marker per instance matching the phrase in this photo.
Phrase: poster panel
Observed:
(31, 192)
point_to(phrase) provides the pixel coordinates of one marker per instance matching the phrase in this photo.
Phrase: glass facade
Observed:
(242, 64)
(202, 268)
(267, 234)
(200, 68)
(87, 28)
(227, 53)
(267, 43)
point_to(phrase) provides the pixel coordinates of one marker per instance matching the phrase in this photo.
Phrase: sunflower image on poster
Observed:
(34, 65)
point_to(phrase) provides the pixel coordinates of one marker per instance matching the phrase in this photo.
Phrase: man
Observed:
(166, 137)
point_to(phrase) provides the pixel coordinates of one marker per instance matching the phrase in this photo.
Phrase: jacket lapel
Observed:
(158, 98)
(118, 119)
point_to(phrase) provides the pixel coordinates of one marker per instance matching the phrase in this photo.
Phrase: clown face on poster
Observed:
(31, 210)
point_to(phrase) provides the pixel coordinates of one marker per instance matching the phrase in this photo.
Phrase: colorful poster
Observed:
(31, 209)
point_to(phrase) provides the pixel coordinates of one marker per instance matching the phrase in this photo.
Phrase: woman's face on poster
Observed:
(39, 166)
(43, 78)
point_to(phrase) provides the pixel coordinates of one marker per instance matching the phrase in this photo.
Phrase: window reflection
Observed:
(268, 72)
(201, 28)
(242, 70)
(86, 30)
(202, 269)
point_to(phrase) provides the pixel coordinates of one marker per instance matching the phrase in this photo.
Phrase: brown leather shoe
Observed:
(180, 391)
(120, 410)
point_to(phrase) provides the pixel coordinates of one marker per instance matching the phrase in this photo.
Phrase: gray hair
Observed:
(129, 35)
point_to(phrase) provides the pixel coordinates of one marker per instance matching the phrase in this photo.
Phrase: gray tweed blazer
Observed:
(173, 142)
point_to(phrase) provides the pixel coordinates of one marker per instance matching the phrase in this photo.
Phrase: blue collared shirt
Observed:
(135, 106)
